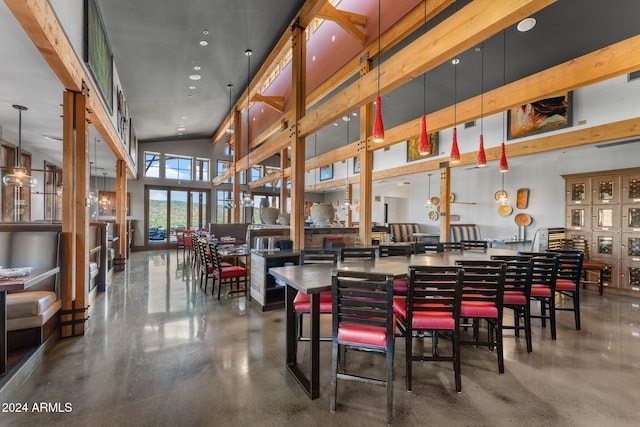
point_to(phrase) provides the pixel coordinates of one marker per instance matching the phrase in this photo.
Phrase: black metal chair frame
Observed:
(363, 299)
(394, 250)
(570, 268)
(361, 254)
(544, 271)
(474, 244)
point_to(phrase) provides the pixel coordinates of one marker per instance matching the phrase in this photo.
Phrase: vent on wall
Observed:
(634, 76)
(469, 124)
(616, 143)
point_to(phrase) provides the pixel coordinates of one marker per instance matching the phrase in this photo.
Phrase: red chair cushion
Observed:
(373, 336)
(540, 291)
(400, 286)
(400, 308)
(233, 271)
(302, 302)
(514, 298)
(423, 319)
(565, 285)
(478, 309)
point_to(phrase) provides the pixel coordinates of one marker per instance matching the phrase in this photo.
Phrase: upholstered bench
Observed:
(31, 318)
(403, 232)
(460, 232)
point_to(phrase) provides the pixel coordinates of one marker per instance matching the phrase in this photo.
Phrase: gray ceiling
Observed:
(156, 44)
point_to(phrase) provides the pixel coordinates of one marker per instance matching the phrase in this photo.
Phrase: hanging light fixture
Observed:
(105, 203)
(93, 196)
(504, 166)
(378, 126)
(482, 157)
(454, 157)
(346, 205)
(228, 202)
(429, 203)
(19, 177)
(247, 201)
(424, 147)
(503, 200)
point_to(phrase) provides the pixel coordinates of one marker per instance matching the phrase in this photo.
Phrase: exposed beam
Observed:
(275, 102)
(348, 21)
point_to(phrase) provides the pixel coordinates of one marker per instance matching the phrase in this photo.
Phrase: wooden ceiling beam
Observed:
(275, 102)
(348, 21)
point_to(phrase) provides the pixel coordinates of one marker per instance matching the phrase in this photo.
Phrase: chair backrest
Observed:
(363, 299)
(484, 282)
(570, 265)
(474, 244)
(214, 258)
(318, 256)
(180, 236)
(544, 268)
(449, 246)
(518, 273)
(394, 250)
(436, 290)
(357, 254)
(427, 247)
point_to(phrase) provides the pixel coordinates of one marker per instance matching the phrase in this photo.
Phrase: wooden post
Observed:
(365, 150)
(297, 143)
(284, 163)
(121, 211)
(445, 203)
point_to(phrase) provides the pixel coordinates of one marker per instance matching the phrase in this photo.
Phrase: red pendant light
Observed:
(504, 166)
(454, 157)
(378, 126)
(482, 158)
(424, 147)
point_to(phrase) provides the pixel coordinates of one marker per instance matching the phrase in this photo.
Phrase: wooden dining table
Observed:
(16, 284)
(311, 279)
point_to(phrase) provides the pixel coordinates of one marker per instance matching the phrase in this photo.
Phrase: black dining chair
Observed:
(394, 250)
(431, 308)
(474, 245)
(362, 320)
(357, 254)
(449, 246)
(568, 280)
(544, 272)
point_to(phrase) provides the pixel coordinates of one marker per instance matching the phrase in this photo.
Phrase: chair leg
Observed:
(409, 354)
(389, 385)
(498, 327)
(334, 375)
(576, 308)
(552, 316)
(527, 327)
(456, 360)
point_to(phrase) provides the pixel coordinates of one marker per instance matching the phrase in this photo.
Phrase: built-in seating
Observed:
(460, 232)
(402, 232)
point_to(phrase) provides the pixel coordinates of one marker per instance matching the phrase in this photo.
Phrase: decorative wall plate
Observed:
(522, 198)
(452, 198)
(505, 210)
(523, 219)
(433, 216)
(435, 201)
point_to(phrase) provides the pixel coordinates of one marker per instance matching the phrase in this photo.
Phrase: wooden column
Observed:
(121, 209)
(284, 163)
(297, 142)
(365, 150)
(237, 155)
(445, 203)
(75, 223)
(349, 195)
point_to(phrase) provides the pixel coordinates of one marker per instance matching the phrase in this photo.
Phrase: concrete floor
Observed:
(159, 352)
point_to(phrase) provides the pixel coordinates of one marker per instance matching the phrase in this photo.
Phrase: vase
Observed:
(269, 215)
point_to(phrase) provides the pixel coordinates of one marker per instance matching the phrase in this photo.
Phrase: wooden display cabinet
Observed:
(578, 217)
(606, 218)
(606, 189)
(631, 188)
(578, 191)
(631, 218)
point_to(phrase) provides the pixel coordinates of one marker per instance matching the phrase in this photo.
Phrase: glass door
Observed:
(157, 217)
(198, 210)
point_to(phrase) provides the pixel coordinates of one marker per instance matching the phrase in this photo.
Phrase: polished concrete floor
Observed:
(159, 352)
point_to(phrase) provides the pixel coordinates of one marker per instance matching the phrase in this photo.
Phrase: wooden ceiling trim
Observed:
(348, 21)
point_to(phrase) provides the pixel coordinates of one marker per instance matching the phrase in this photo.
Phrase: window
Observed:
(256, 173)
(202, 170)
(178, 167)
(223, 165)
(152, 165)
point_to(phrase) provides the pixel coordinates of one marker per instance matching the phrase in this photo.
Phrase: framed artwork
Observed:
(133, 143)
(326, 172)
(413, 145)
(540, 116)
(356, 165)
(97, 52)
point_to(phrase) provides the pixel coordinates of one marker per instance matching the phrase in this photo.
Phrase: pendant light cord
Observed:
(379, 56)
(424, 75)
(482, 88)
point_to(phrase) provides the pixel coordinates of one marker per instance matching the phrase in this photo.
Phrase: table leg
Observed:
(3, 329)
(310, 385)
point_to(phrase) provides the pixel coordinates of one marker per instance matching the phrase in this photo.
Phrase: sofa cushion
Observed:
(460, 232)
(16, 324)
(24, 304)
(403, 231)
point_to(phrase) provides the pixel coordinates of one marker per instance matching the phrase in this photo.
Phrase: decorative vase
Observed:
(284, 219)
(322, 214)
(269, 215)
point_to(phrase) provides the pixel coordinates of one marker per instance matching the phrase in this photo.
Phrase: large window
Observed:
(152, 165)
(178, 167)
(202, 170)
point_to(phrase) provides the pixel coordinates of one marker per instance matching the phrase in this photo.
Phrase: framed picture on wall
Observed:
(356, 165)
(413, 145)
(97, 52)
(540, 116)
(326, 172)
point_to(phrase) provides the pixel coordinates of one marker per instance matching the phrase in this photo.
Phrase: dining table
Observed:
(311, 279)
(17, 284)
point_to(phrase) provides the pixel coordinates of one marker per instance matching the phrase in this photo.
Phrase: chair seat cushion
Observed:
(233, 271)
(302, 302)
(540, 291)
(423, 319)
(565, 285)
(514, 298)
(478, 309)
(592, 265)
(30, 303)
(351, 333)
(400, 286)
(400, 308)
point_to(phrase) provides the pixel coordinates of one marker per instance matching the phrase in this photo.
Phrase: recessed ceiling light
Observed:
(205, 32)
(526, 24)
(346, 118)
(335, 124)
(192, 87)
(313, 58)
(184, 117)
(197, 68)
(204, 43)
(195, 77)
(355, 114)
(333, 38)
(455, 61)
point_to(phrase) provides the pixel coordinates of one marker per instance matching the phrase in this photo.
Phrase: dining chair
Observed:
(544, 271)
(394, 250)
(362, 319)
(357, 254)
(482, 299)
(517, 293)
(449, 246)
(474, 244)
(227, 274)
(431, 307)
(302, 302)
(180, 240)
(568, 280)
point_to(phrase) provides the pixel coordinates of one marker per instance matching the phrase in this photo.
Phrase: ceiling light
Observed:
(195, 77)
(184, 117)
(192, 87)
(19, 177)
(526, 24)
(205, 32)
(455, 61)
(204, 43)
(313, 58)
(197, 68)
(346, 118)
(333, 38)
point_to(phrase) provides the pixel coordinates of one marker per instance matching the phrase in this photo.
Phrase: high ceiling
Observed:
(156, 45)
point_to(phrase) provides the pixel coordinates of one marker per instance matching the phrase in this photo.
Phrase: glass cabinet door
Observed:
(578, 217)
(578, 191)
(606, 189)
(606, 218)
(631, 218)
(631, 247)
(606, 245)
(631, 188)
